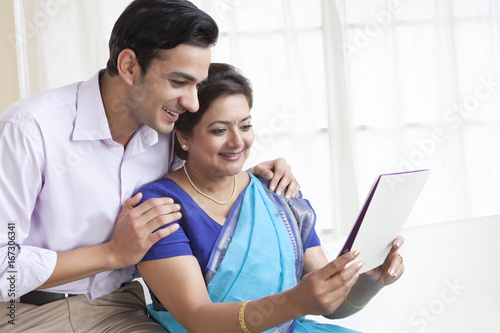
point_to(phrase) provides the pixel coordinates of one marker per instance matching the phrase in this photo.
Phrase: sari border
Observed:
(223, 240)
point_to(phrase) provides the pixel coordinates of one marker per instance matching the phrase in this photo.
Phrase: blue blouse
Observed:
(197, 231)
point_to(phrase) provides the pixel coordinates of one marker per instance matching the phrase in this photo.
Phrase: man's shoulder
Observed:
(41, 105)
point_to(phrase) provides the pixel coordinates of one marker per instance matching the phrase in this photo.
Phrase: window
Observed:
(343, 90)
(424, 91)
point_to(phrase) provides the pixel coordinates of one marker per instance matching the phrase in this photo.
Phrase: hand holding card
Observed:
(383, 215)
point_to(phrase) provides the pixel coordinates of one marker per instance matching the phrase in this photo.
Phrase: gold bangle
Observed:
(357, 307)
(241, 316)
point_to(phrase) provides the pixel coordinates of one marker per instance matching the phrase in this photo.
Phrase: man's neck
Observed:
(114, 94)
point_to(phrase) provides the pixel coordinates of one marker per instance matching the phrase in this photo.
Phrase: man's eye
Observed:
(178, 83)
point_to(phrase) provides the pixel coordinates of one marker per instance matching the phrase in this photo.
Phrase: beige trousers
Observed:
(121, 311)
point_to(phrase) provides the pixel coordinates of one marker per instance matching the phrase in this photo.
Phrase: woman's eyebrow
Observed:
(224, 122)
(227, 122)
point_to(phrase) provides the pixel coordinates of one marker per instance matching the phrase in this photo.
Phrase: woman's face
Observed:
(221, 141)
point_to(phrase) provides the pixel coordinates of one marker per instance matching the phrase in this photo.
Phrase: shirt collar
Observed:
(91, 122)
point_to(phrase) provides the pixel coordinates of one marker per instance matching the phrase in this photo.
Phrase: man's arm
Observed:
(133, 237)
(21, 168)
(30, 267)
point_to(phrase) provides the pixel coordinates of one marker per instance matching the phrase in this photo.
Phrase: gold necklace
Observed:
(206, 195)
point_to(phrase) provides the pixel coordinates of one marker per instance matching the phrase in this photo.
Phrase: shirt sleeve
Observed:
(176, 164)
(22, 268)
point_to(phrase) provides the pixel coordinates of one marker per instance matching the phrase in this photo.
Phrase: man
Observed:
(73, 156)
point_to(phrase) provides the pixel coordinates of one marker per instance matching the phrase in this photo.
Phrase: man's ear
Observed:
(128, 66)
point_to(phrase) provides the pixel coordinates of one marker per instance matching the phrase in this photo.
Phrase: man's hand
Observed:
(280, 175)
(135, 233)
(137, 228)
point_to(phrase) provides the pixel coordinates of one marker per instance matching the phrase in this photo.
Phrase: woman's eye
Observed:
(218, 131)
(246, 127)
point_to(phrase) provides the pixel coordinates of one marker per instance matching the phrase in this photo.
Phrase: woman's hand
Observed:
(280, 175)
(323, 290)
(392, 268)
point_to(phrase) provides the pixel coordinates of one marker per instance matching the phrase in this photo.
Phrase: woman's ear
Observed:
(183, 140)
(128, 66)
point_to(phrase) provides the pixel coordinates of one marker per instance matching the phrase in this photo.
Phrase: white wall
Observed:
(9, 89)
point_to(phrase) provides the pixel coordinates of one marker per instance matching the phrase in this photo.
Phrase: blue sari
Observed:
(259, 252)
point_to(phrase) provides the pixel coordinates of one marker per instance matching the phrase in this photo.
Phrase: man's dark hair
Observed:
(223, 80)
(149, 26)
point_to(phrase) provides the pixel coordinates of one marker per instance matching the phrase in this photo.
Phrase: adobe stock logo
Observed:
(225, 6)
(452, 119)
(426, 315)
(44, 13)
(372, 29)
(278, 122)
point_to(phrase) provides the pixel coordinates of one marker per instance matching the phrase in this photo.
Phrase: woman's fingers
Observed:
(338, 265)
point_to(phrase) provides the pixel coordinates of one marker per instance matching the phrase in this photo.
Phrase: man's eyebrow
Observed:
(184, 76)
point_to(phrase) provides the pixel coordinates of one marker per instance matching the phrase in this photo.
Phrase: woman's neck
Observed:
(224, 185)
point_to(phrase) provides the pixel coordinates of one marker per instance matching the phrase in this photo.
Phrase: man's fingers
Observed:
(132, 202)
(129, 204)
(161, 215)
(163, 232)
(151, 203)
(293, 189)
(283, 178)
(278, 184)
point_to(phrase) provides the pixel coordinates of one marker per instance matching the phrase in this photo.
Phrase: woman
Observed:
(244, 258)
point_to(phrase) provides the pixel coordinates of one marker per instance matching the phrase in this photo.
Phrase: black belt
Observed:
(37, 297)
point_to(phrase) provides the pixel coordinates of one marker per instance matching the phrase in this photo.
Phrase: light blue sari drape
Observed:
(259, 253)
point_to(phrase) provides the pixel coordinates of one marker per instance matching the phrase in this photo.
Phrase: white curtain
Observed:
(377, 91)
(292, 52)
(62, 41)
(424, 87)
(277, 44)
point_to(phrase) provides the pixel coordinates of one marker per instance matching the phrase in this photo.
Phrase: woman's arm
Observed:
(178, 283)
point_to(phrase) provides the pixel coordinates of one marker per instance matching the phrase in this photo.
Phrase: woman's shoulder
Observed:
(159, 188)
(265, 184)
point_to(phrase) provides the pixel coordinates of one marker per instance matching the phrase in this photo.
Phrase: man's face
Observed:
(169, 87)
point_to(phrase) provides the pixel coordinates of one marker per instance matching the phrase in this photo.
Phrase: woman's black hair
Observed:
(149, 26)
(223, 80)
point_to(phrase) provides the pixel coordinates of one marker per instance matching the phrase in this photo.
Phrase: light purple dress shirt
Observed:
(63, 181)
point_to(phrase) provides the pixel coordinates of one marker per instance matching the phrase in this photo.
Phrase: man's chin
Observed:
(165, 129)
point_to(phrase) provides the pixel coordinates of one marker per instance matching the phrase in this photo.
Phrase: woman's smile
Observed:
(232, 157)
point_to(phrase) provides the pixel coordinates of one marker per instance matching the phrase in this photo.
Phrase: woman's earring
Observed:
(184, 147)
